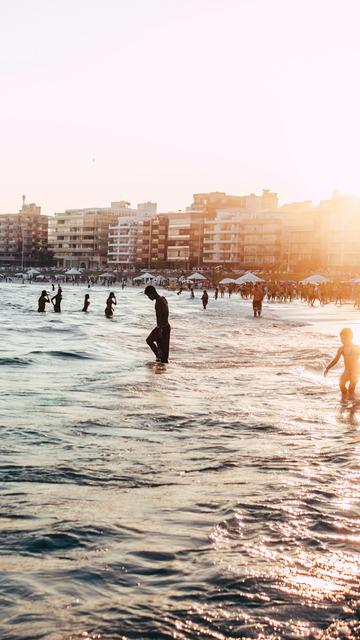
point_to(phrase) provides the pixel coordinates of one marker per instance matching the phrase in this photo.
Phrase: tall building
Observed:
(152, 242)
(242, 239)
(24, 237)
(122, 242)
(80, 237)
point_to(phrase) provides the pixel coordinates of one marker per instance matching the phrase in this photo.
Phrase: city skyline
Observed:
(157, 100)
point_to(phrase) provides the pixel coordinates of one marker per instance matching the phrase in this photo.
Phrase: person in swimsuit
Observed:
(159, 339)
(86, 302)
(258, 297)
(43, 300)
(110, 302)
(57, 298)
(350, 353)
(205, 299)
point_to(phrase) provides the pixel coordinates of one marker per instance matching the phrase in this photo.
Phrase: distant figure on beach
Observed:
(110, 302)
(180, 290)
(43, 300)
(57, 297)
(159, 339)
(86, 302)
(258, 297)
(192, 294)
(216, 294)
(53, 287)
(351, 353)
(205, 299)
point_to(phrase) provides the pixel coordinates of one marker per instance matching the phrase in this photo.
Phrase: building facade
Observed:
(80, 237)
(24, 237)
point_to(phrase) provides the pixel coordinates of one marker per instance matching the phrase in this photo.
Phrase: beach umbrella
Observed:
(73, 272)
(197, 276)
(107, 275)
(248, 277)
(227, 281)
(355, 280)
(145, 276)
(314, 279)
(33, 272)
(21, 275)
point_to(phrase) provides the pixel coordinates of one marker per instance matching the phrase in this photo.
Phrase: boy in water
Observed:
(351, 353)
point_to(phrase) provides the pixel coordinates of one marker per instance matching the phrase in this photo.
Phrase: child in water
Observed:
(351, 353)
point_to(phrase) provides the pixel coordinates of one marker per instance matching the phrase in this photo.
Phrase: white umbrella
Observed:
(355, 280)
(248, 277)
(21, 275)
(33, 272)
(107, 275)
(73, 272)
(227, 281)
(197, 276)
(314, 279)
(145, 276)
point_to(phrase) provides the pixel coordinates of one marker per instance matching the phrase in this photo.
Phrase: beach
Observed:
(216, 497)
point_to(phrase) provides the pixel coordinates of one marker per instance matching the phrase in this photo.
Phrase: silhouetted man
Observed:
(159, 338)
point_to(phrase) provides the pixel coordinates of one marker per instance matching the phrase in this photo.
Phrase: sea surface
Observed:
(216, 498)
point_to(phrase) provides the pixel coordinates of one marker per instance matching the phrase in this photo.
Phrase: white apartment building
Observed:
(122, 241)
(241, 238)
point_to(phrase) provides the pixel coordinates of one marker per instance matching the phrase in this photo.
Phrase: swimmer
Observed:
(86, 302)
(205, 299)
(57, 298)
(351, 353)
(258, 297)
(159, 339)
(43, 300)
(110, 302)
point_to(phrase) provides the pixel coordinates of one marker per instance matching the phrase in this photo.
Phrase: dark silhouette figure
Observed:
(86, 302)
(43, 300)
(258, 296)
(216, 294)
(57, 298)
(192, 294)
(110, 302)
(205, 299)
(159, 338)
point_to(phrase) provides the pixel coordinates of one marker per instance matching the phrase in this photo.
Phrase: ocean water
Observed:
(216, 498)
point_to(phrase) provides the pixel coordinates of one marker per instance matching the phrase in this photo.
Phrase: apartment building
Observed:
(122, 242)
(24, 237)
(178, 240)
(242, 239)
(152, 242)
(80, 237)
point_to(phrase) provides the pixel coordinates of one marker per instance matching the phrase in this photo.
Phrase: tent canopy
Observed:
(73, 272)
(227, 281)
(314, 279)
(33, 272)
(197, 276)
(248, 277)
(107, 275)
(145, 276)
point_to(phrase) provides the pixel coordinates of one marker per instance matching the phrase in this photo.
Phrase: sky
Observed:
(141, 100)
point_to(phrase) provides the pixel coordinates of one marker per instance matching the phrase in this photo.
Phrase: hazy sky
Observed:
(156, 99)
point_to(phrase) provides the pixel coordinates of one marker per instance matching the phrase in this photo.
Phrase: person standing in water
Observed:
(159, 339)
(350, 353)
(43, 300)
(258, 297)
(86, 302)
(216, 294)
(110, 302)
(205, 299)
(192, 294)
(57, 298)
